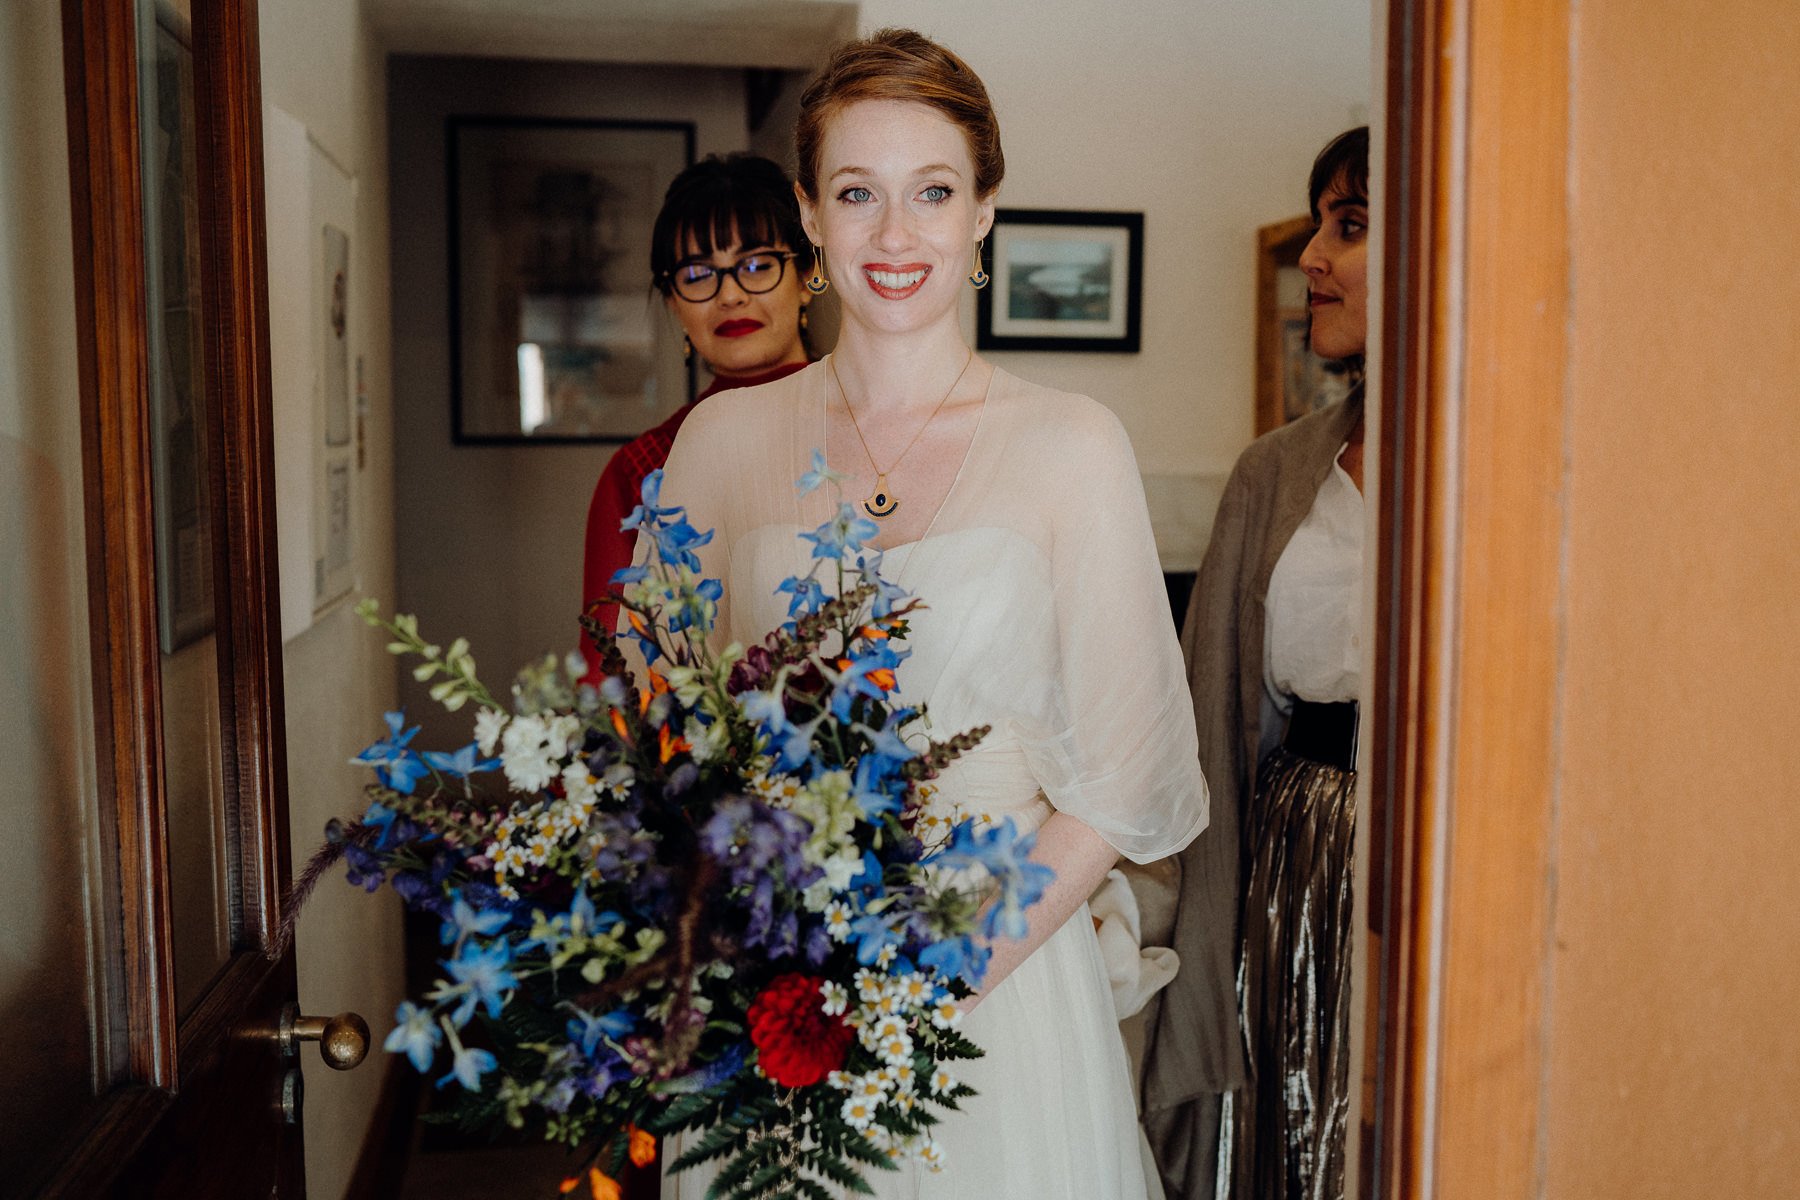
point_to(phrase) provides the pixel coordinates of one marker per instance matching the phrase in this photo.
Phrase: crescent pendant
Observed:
(881, 504)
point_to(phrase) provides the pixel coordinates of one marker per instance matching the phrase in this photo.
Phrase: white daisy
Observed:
(945, 1014)
(837, 923)
(858, 1112)
(837, 998)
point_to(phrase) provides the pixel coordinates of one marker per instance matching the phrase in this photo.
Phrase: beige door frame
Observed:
(1472, 485)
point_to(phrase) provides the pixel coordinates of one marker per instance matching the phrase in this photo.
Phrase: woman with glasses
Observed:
(722, 255)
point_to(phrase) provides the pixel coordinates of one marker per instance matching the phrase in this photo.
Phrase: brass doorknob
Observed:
(343, 1039)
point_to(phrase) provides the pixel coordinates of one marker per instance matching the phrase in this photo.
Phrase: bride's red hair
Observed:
(899, 64)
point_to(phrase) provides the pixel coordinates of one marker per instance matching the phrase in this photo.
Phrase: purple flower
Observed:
(363, 868)
(750, 838)
(730, 1061)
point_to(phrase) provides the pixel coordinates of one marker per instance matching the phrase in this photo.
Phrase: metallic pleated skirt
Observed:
(1284, 1133)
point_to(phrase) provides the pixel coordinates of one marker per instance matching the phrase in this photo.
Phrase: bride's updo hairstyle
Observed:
(898, 64)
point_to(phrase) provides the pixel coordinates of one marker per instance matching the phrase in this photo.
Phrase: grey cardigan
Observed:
(1194, 1048)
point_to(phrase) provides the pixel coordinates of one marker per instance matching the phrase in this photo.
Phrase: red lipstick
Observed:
(896, 281)
(736, 328)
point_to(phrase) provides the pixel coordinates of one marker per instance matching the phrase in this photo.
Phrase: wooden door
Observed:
(1475, 304)
(196, 1091)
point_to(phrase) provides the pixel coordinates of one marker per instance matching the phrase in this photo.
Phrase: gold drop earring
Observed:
(816, 283)
(687, 348)
(979, 277)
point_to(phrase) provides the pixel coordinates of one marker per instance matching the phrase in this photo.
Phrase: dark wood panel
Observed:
(235, 296)
(1409, 663)
(194, 1112)
(100, 52)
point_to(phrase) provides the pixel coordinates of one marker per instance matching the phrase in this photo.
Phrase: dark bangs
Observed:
(720, 202)
(1345, 158)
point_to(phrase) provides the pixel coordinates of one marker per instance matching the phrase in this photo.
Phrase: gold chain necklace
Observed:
(882, 502)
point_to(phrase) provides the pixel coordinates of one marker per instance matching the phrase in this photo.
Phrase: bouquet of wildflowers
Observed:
(711, 900)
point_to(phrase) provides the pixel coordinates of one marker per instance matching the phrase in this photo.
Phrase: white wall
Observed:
(1204, 115)
(47, 772)
(492, 536)
(321, 64)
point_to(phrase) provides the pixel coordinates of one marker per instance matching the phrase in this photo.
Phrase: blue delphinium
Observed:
(844, 533)
(415, 1035)
(465, 920)
(468, 1066)
(483, 976)
(462, 763)
(1000, 850)
(397, 766)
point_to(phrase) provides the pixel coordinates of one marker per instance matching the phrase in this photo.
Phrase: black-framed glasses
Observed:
(698, 282)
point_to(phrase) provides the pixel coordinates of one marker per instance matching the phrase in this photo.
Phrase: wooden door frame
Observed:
(147, 1053)
(1462, 772)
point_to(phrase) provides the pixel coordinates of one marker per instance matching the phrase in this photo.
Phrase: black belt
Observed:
(1323, 733)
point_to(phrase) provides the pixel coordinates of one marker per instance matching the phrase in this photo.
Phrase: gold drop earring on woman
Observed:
(979, 277)
(882, 502)
(816, 283)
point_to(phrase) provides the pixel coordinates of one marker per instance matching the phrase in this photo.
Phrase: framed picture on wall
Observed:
(1291, 380)
(555, 334)
(1062, 280)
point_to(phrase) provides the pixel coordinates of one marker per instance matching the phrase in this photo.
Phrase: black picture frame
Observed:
(614, 277)
(1086, 283)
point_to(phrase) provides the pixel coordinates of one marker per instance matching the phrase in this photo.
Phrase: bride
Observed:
(1017, 514)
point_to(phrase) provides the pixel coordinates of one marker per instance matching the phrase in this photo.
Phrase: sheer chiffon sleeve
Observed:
(1116, 745)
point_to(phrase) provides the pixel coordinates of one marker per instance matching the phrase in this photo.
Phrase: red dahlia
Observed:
(797, 1044)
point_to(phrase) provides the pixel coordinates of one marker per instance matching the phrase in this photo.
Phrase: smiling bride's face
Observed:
(896, 213)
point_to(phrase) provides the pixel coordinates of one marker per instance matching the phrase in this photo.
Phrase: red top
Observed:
(609, 548)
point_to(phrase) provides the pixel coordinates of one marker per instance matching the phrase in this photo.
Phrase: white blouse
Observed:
(1312, 630)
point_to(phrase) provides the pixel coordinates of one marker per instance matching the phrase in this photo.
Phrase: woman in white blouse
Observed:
(1274, 664)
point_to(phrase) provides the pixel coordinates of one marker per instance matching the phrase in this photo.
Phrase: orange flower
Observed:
(603, 1186)
(570, 1184)
(618, 723)
(881, 677)
(668, 745)
(873, 633)
(643, 1147)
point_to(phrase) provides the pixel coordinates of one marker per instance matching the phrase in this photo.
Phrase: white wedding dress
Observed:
(1047, 620)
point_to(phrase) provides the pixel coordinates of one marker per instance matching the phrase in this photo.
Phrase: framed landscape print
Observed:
(556, 335)
(1062, 280)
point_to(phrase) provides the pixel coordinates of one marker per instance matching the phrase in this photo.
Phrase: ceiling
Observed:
(794, 34)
